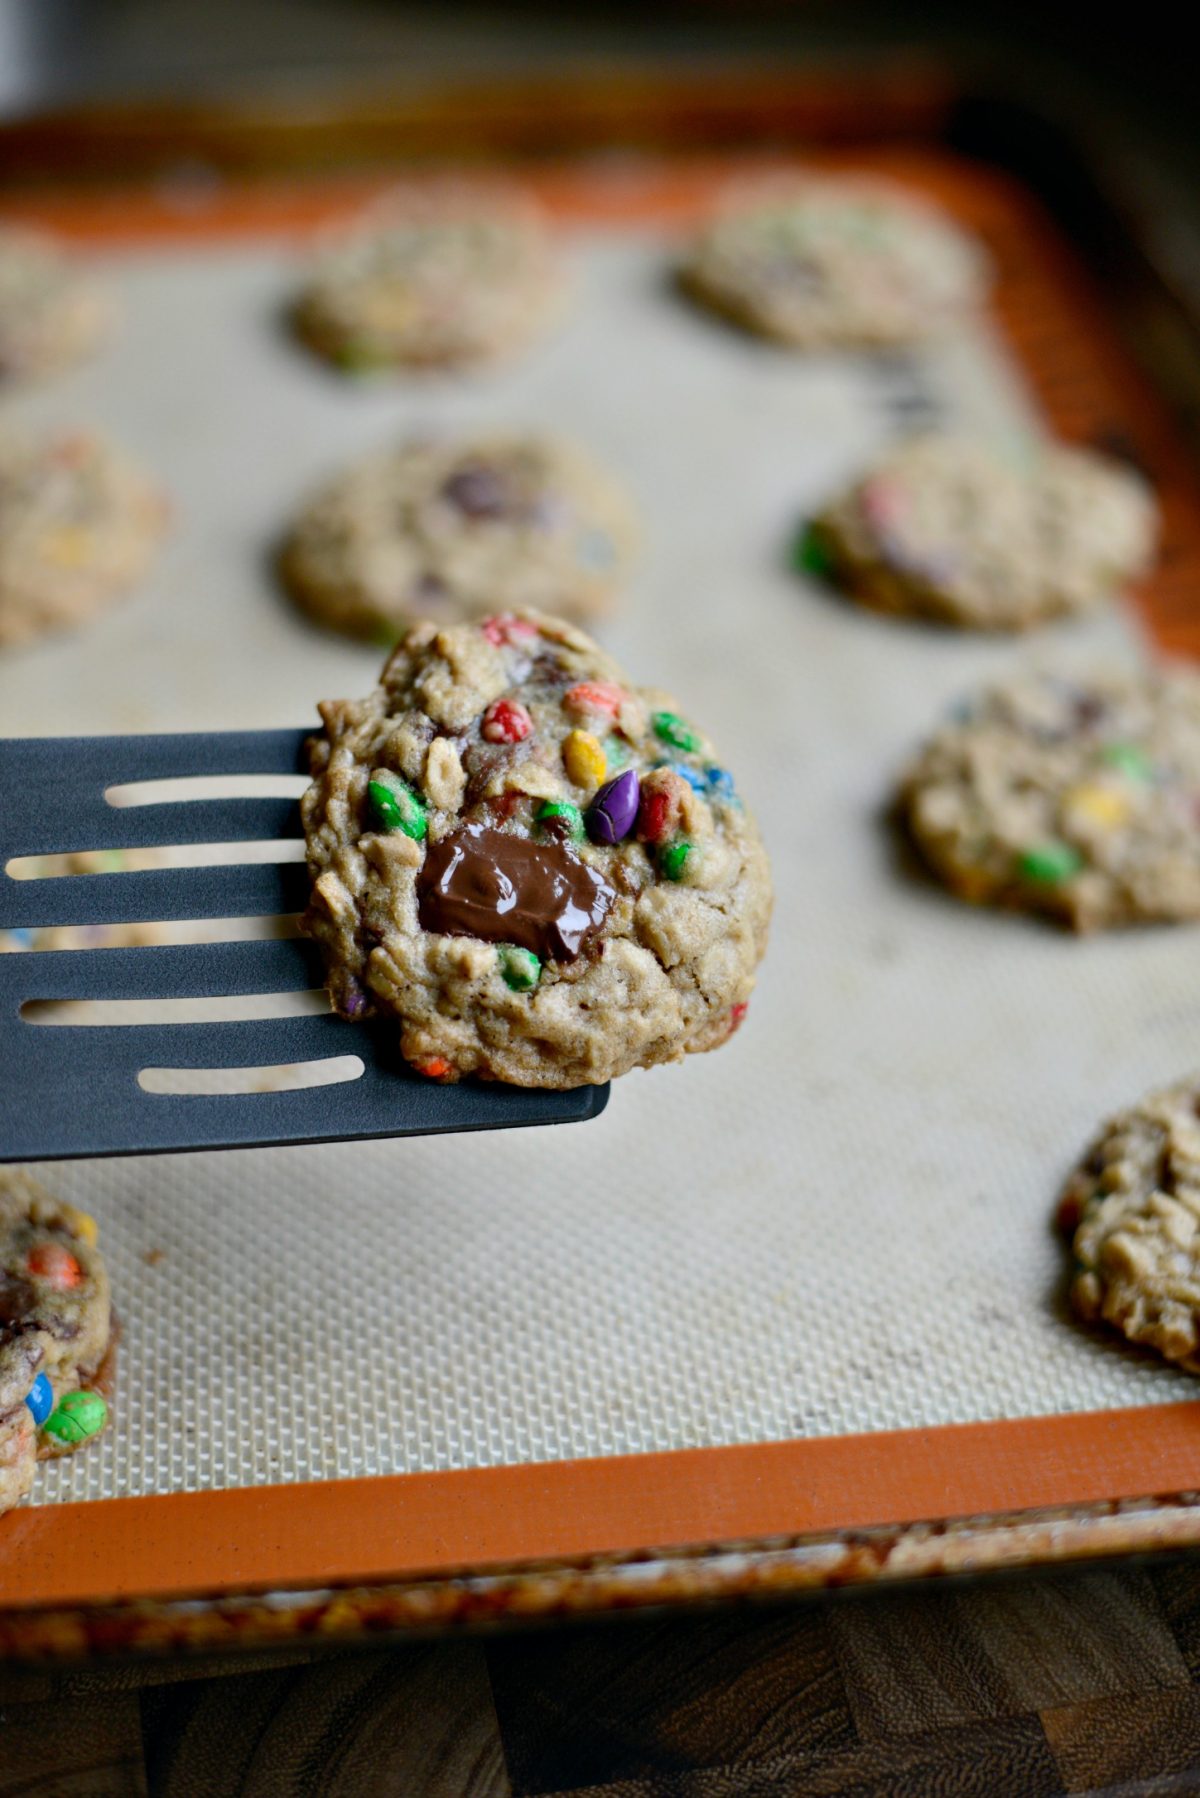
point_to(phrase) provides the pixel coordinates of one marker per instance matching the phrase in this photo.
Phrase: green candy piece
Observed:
(1050, 863)
(561, 813)
(396, 806)
(670, 728)
(674, 859)
(76, 1417)
(616, 753)
(1128, 759)
(810, 554)
(520, 968)
(358, 357)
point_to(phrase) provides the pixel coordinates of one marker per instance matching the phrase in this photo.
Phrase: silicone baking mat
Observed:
(841, 1223)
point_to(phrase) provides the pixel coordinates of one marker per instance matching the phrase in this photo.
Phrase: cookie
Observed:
(56, 1332)
(49, 316)
(1132, 1208)
(1080, 799)
(835, 263)
(537, 871)
(456, 530)
(439, 275)
(79, 524)
(972, 534)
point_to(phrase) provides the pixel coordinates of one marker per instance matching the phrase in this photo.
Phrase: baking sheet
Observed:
(841, 1221)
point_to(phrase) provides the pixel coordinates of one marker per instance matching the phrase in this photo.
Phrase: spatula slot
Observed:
(205, 786)
(298, 1076)
(131, 1012)
(136, 860)
(182, 932)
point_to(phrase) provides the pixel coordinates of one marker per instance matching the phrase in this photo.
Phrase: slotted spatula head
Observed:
(73, 1089)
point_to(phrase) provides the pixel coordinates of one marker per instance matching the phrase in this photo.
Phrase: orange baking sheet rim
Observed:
(406, 1526)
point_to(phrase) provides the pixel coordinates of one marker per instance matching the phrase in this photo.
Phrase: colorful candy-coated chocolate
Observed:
(662, 797)
(558, 817)
(809, 554)
(693, 776)
(81, 1224)
(674, 860)
(653, 816)
(583, 759)
(720, 783)
(51, 1262)
(352, 1002)
(358, 357)
(77, 1416)
(434, 1067)
(1050, 863)
(397, 806)
(1104, 808)
(40, 1399)
(504, 627)
(506, 721)
(519, 968)
(616, 752)
(591, 697)
(1129, 759)
(737, 1013)
(613, 812)
(670, 728)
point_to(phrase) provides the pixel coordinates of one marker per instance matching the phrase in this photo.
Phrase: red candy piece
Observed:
(434, 1067)
(507, 721)
(504, 627)
(654, 817)
(49, 1261)
(737, 1013)
(594, 696)
(658, 811)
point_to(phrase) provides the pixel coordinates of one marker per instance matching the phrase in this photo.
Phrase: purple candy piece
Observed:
(613, 812)
(353, 999)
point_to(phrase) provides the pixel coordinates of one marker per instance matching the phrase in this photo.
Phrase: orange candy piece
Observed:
(591, 696)
(49, 1261)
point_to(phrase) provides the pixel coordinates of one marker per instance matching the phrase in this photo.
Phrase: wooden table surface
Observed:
(1084, 1681)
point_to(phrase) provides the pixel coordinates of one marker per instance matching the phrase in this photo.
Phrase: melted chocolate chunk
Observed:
(17, 1297)
(505, 889)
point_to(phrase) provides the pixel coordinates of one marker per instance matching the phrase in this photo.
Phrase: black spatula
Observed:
(73, 1089)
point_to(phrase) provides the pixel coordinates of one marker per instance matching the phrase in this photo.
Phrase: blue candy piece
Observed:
(40, 1399)
(694, 780)
(720, 781)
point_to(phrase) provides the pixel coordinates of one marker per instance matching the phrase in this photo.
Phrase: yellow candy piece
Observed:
(68, 546)
(1103, 807)
(81, 1225)
(584, 759)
